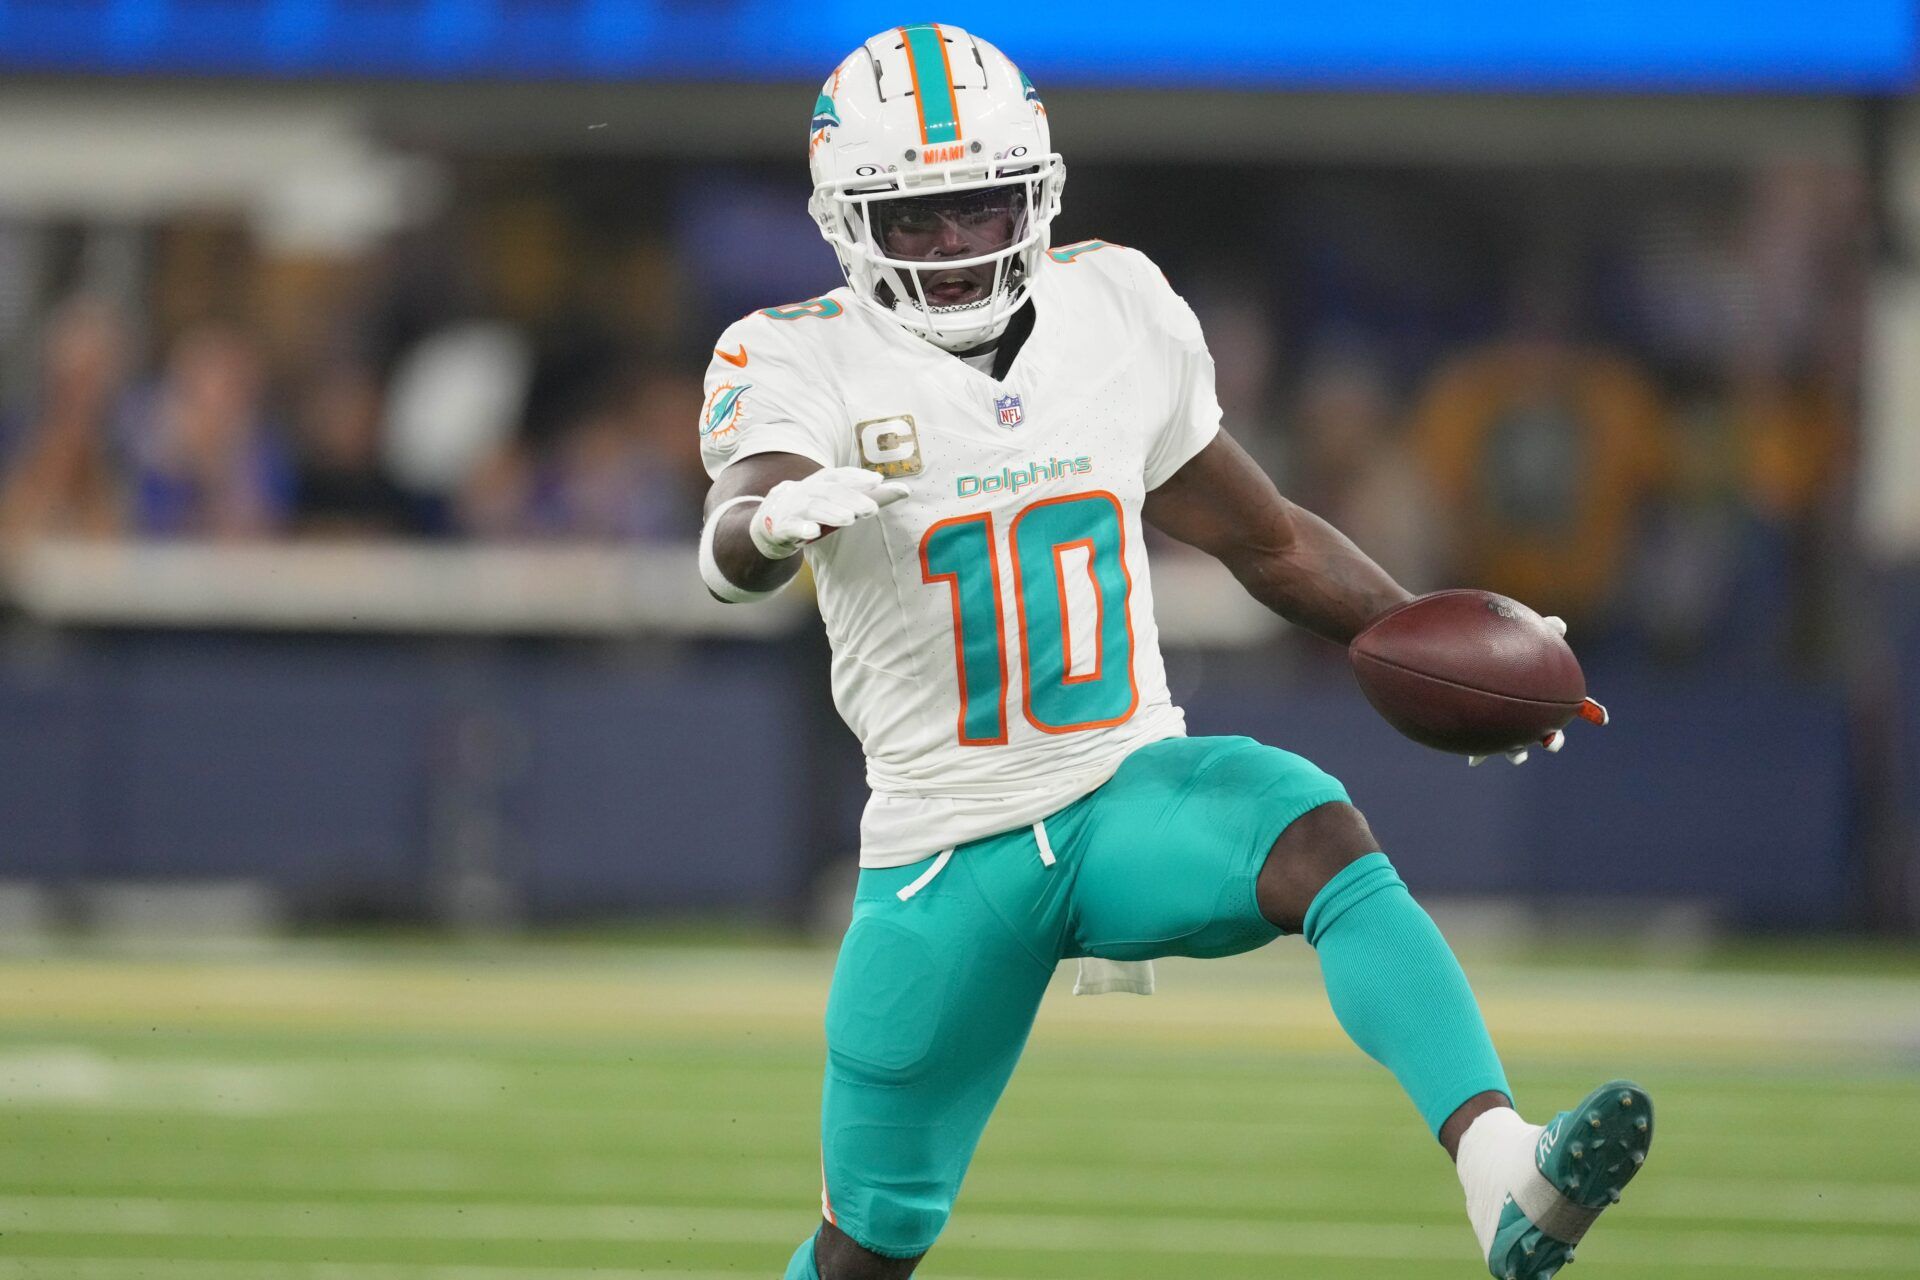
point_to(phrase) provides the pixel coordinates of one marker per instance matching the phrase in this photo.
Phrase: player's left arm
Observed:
(1289, 559)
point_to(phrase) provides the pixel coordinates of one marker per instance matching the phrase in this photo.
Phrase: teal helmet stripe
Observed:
(932, 83)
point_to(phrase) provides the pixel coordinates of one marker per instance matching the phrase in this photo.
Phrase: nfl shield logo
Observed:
(1008, 407)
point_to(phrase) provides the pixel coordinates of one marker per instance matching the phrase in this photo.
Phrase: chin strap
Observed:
(886, 302)
(971, 342)
(964, 343)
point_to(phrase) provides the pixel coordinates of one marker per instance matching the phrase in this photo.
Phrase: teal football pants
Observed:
(934, 994)
(944, 965)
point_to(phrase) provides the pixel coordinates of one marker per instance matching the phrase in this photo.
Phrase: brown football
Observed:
(1468, 671)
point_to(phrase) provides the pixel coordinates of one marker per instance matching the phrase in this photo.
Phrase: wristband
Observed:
(710, 573)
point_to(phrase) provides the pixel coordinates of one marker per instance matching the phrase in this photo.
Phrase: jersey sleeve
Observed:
(1187, 413)
(764, 395)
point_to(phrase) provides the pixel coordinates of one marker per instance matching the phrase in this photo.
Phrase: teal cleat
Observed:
(1584, 1157)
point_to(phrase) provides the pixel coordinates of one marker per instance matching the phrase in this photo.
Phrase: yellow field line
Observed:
(781, 995)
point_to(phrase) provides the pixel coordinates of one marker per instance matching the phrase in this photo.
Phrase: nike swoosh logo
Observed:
(738, 361)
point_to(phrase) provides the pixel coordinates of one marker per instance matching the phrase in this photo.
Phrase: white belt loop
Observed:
(925, 877)
(1040, 838)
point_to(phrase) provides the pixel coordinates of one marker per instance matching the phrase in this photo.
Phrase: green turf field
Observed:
(363, 1113)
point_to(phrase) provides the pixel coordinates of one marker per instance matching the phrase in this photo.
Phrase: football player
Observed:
(966, 442)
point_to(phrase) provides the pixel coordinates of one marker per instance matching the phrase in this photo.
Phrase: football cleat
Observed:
(1582, 1159)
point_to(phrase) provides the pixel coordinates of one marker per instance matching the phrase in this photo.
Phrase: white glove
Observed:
(1590, 711)
(796, 512)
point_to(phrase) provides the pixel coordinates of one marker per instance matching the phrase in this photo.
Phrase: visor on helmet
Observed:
(957, 224)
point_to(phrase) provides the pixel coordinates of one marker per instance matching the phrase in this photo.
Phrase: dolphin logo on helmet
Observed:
(1033, 94)
(823, 114)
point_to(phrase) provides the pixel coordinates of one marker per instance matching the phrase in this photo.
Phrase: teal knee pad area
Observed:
(1399, 992)
(892, 1186)
(801, 1267)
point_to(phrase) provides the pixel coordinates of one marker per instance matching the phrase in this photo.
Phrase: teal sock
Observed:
(1398, 991)
(802, 1268)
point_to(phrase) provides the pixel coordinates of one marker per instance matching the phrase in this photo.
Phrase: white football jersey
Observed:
(993, 635)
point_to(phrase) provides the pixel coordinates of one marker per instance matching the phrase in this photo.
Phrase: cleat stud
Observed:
(1641, 1124)
(1593, 1119)
(1613, 1197)
(1638, 1157)
(1626, 1099)
(1576, 1150)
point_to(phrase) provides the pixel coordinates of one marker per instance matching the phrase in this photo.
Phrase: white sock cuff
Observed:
(1495, 1152)
(1491, 1125)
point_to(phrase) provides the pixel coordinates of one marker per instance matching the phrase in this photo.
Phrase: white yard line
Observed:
(1069, 1185)
(82, 1077)
(47, 1267)
(1755, 1250)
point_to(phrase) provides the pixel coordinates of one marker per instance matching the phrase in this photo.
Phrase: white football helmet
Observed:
(934, 181)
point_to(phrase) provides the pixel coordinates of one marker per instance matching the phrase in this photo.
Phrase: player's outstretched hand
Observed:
(1590, 711)
(796, 512)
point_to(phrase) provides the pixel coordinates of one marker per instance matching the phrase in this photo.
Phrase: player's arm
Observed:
(1289, 559)
(730, 532)
(764, 508)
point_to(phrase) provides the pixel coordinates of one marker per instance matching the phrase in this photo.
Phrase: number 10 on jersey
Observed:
(1047, 542)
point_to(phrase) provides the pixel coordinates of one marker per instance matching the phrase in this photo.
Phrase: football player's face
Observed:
(955, 225)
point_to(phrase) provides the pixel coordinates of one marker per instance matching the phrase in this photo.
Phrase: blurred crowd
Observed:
(1623, 397)
(424, 390)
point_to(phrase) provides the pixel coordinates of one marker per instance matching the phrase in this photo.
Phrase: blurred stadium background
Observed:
(407, 874)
